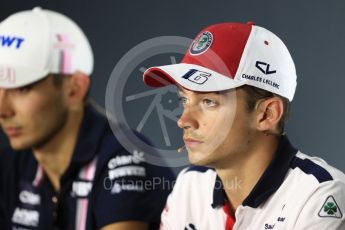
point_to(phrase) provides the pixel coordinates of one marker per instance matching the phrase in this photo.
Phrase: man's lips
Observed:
(12, 131)
(191, 141)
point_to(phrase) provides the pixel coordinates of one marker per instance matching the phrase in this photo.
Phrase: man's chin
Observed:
(198, 158)
(19, 145)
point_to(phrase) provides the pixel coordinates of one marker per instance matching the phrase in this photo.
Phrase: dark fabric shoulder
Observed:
(126, 186)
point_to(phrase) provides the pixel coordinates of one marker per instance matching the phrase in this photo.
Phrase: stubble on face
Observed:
(40, 114)
(227, 137)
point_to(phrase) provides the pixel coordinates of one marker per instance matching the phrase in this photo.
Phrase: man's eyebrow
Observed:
(181, 90)
(33, 84)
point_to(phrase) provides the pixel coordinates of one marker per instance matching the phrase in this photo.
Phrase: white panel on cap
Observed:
(77, 45)
(276, 55)
(27, 61)
(37, 53)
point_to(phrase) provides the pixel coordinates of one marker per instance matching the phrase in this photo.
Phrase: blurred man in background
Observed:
(65, 169)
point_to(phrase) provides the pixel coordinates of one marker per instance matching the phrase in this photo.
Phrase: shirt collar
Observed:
(91, 132)
(269, 182)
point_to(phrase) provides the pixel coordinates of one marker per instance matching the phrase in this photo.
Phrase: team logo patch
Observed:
(190, 227)
(136, 158)
(330, 209)
(28, 197)
(26, 217)
(124, 171)
(11, 41)
(118, 188)
(201, 43)
(81, 189)
(264, 67)
(196, 76)
(7, 75)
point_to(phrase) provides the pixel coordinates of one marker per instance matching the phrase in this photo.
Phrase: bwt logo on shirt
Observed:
(11, 41)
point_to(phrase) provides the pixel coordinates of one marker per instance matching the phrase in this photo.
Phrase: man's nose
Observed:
(5, 105)
(188, 119)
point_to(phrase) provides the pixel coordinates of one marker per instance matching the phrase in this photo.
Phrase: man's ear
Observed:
(268, 114)
(77, 88)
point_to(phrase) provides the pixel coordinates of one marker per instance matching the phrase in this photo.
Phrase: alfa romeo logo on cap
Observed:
(201, 43)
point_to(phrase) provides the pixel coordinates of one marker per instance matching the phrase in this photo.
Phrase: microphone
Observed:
(181, 149)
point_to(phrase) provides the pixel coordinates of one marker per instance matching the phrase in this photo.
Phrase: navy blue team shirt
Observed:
(103, 184)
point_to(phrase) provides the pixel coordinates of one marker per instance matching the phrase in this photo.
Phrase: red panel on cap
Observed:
(158, 78)
(229, 40)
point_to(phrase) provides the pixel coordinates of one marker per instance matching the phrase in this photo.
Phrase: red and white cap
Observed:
(37, 42)
(228, 55)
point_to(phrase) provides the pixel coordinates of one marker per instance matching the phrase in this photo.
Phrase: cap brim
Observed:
(189, 76)
(17, 77)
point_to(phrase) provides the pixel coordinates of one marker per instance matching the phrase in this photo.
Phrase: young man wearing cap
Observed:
(236, 82)
(65, 169)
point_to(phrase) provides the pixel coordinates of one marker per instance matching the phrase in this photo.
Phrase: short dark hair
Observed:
(58, 79)
(254, 94)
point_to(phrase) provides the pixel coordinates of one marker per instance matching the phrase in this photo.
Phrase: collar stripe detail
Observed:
(270, 181)
(39, 176)
(87, 173)
(309, 167)
(230, 221)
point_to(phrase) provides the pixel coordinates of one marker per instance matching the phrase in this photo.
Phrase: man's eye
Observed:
(24, 89)
(209, 102)
(183, 100)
